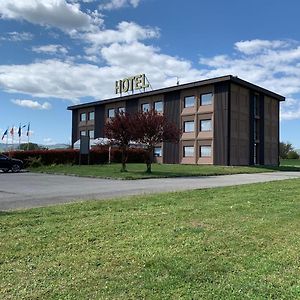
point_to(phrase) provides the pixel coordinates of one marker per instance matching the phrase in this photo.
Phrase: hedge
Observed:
(98, 155)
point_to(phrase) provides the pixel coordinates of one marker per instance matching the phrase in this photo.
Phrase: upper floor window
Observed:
(91, 115)
(121, 110)
(145, 107)
(206, 99)
(91, 134)
(205, 125)
(111, 113)
(189, 101)
(188, 151)
(158, 106)
(205, 151)
(188, 126)
(82, 117)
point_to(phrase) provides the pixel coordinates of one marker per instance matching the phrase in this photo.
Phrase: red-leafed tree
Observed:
(151, 129)
(119, 130)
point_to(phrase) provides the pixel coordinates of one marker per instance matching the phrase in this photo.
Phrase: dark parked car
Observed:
(10, 164)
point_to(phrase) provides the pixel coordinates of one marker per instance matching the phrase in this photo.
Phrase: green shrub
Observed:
(293, 155)
(34, 162)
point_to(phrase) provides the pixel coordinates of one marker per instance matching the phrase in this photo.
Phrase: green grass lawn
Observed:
(290, 162)
(227, 243)
(137, 171)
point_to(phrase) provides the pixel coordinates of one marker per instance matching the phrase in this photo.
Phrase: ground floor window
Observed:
(82, 133)
(188, 151)
(205, 151)
(91, 134)
(111, 113)
(157, 152)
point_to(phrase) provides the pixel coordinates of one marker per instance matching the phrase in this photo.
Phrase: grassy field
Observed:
(228, 243)
(137, 171)
(290, 162)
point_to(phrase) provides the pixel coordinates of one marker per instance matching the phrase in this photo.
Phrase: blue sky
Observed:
(55, 53)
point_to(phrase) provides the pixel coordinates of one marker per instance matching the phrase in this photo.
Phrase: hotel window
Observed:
(188, 151)
(206, 99)
(111, 113)
(121, 110)
(82, 133)
(158, 106)
(145, 107)
(189, 101)
(157, 152)
(205, 125)
(91, 134)
(91, 116)
(205, 151)
(188, 126)
(82, 117)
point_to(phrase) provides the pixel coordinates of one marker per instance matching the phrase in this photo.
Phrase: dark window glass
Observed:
(82, 117)
(158, 106)
(91, 116)
(145, 107)
(91, 134)
(189, 126)
(189, 101)
(157, 151)
(111, 113)
(205, 125)
(206, 99)
(188, 151)
(205, 151)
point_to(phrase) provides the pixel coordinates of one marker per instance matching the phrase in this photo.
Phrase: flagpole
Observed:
(7, 141)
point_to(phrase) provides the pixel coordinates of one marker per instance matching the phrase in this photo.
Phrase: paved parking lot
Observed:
(25, 190)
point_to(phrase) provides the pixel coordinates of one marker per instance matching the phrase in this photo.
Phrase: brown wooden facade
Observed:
(239, 125)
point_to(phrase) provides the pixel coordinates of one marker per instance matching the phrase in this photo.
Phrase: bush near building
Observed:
(293, 155)
(98, 155)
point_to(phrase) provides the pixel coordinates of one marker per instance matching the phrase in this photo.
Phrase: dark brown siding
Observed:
(132, 106)
(99, 120)
(172, 112)
(271, 127)
(74, 126)
(239, 125)
(251, 128)
(261, 158)
(221, 144)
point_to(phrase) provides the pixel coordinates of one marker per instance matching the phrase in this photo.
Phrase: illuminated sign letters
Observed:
(131, 83)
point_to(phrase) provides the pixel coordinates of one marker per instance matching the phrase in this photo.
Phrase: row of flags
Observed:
(12, 131)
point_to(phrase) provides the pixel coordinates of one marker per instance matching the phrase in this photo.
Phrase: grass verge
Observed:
(290, 162)
(227, 243)
(137, 171)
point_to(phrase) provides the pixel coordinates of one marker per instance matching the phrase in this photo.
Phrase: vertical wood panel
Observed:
(99, 120)
(172, 113)
(221, 128)
(74, 126)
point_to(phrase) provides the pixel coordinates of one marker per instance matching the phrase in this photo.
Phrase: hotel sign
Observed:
(131, 84)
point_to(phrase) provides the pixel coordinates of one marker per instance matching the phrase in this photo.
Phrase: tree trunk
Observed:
(149, 160)
(124, 159)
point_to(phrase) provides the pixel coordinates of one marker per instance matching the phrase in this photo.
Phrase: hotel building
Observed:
(224, 121)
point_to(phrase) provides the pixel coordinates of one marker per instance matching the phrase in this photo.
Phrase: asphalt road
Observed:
(26, 190)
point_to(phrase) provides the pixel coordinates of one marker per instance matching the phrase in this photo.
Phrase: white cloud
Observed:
(126, 32)
(256, 46)
(17, 36)
(55, 13)
(50, 49)
(117, 4)
(68, 80)
(32, 104)
(274, 65)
